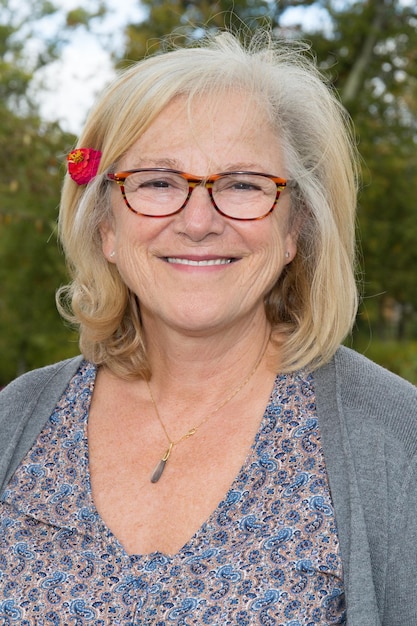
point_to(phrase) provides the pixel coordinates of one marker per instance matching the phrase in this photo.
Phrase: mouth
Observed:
(200, 262)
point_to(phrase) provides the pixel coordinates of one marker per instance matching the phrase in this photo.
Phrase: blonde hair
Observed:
(314, 301)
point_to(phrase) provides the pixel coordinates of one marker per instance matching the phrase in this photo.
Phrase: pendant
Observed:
(159, 469)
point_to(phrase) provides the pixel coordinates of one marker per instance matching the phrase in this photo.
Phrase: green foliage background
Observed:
(368, 50)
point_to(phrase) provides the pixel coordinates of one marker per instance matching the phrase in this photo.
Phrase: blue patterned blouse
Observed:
(269, 554)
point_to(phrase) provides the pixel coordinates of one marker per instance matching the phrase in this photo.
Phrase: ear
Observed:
(290, 247)
(108, 241)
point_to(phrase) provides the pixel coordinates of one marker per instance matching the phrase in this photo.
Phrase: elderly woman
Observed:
(214, 456)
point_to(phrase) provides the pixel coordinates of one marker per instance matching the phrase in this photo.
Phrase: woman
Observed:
(214, 456)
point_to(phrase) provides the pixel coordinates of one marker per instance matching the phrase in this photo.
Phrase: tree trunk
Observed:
(355, 79)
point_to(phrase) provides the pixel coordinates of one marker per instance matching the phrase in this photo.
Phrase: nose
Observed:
(199, 219)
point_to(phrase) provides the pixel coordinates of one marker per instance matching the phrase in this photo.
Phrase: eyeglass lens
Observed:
(240, 196)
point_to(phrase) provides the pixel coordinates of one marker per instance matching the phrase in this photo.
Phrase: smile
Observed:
(206, 262)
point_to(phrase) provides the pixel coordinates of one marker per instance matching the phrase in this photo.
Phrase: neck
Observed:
(179, 362)
(160, 467)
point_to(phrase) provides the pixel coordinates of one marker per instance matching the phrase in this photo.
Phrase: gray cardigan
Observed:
(368, 422)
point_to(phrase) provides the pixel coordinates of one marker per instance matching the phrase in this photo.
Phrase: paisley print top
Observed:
(269, 554)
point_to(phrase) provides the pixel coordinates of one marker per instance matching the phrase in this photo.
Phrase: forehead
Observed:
(227, 126)
(235, 108)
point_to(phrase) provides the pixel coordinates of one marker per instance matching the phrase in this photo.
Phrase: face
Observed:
(197, 271)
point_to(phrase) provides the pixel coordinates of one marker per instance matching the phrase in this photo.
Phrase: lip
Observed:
(193, 261)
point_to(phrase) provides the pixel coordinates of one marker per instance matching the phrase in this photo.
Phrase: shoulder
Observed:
(364, 383)
(25, 405)
(34, 394)
(360, 380)
(30, 385)
(367, 395)
(356, 368)
(368, 423)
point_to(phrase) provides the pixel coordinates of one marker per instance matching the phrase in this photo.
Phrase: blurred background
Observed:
(56, 56)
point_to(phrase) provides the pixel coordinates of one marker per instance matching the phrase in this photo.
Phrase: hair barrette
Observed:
(83, 164)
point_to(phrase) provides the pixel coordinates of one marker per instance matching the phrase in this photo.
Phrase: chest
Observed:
(268, 543)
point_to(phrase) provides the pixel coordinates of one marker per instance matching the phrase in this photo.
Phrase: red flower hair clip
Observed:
(83, 164)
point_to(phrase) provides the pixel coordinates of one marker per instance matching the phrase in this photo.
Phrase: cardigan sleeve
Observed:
(25, 405)
(401, 585)
(368, 420)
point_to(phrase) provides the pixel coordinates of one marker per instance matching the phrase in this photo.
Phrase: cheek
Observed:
(131, 257)
(271, 243)
(134, 270)
(137, 263)
(266, 261)
(132, 234)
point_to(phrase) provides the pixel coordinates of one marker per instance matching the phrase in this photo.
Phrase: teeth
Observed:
(198, 263)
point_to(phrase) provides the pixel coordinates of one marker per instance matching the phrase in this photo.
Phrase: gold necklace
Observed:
(159, 469)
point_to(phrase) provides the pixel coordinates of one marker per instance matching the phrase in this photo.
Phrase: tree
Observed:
(32, 160)
(370, 58)
(184, 21)
(31, 265)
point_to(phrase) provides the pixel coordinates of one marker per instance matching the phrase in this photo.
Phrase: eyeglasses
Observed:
(160, 192)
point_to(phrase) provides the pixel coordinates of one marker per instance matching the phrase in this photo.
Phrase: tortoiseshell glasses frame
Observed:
(162, 192)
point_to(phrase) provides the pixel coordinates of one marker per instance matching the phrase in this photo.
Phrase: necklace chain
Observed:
(159, 469)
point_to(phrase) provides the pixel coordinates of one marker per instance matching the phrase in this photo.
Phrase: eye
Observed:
(245, 186)
(150, 181)
(237, 183)
(157, 184)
